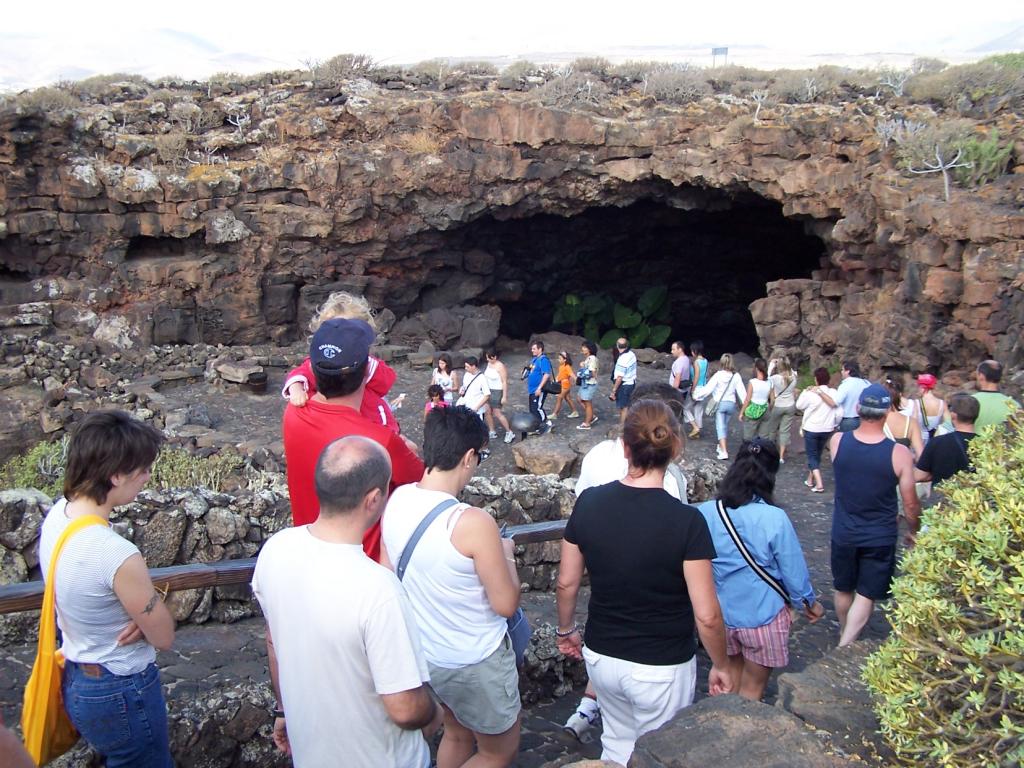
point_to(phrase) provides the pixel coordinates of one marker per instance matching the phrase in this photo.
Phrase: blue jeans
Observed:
(722, 416)
(814, 444)
(123, 717)
(849, 423)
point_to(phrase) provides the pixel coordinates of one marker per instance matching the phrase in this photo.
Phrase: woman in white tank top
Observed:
(462, 585)
(496, 376)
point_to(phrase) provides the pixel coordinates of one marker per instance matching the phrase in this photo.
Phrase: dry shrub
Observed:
(635, 70)
(46, 100)
(594, 65)
(735, 79)
(476, 67)
(521, 69)
(172, 148)
(344, 66)
(97, 85)
(678, 84)
(419, 143)
(571, 89)
(986, 86)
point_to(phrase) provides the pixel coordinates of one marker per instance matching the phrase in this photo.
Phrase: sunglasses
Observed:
(482, 455)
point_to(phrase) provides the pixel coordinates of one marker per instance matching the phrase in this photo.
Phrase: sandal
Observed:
(817, 490)
(809, 484)
(583, 426)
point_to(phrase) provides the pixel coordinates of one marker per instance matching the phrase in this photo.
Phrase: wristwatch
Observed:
(276, 711)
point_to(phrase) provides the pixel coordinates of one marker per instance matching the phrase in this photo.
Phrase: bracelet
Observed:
(574, 630)
(276, 713)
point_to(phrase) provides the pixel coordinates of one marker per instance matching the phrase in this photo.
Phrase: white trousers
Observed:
(636, 698)
(693, 411)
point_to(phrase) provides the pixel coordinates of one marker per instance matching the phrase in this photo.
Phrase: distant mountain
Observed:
(1011, 41)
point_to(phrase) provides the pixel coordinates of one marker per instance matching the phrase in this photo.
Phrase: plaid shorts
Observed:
(767, 645)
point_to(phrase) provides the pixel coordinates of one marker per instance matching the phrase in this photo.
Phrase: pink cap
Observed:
(926, 381)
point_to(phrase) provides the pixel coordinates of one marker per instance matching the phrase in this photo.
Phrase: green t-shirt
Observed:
(995, 407)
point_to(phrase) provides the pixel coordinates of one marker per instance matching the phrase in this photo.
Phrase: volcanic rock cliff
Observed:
(187, 217)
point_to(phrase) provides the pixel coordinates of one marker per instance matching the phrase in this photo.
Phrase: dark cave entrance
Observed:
(714, 261)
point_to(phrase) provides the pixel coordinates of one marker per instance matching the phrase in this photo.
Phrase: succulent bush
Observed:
(948, 684)
(602, 319)
(42, 468)
(987, 160)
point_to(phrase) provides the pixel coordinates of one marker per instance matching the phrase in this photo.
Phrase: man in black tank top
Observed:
(869, 470)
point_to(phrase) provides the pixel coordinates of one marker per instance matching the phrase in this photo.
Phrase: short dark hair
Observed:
(992, 370)
(821, 376)
(751, 474)
(591, 346)
(966, 407)
(107, 443)
(347, 470)
(492, 352)
(448, 433)
(696, 347)
(340, 384)
(679, 344)
(853, 367)
(435, 390)
(537, 343)
(651, 431)
(471, 360)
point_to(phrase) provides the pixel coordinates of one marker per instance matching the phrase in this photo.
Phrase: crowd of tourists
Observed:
(392, 608)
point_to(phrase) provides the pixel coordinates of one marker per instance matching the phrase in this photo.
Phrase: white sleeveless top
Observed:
(493, 378)
(457, 625)
(759, 391)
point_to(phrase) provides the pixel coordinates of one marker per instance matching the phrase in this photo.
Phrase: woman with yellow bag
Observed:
(112, 618)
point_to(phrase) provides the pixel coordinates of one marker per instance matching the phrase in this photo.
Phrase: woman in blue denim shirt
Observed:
(111, 617)
(757, 619)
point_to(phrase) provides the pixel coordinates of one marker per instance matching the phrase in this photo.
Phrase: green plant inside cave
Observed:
(948, 683)
(599, 317)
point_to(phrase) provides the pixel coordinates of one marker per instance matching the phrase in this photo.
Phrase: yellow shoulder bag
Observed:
(45, 726)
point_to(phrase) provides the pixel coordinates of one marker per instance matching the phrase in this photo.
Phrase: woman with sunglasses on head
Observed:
(757, 618)
(462, 583)
(649, 559)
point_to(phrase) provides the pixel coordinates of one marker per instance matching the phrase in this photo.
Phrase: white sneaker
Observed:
(510, 436)
(492, 434)
(582, 726)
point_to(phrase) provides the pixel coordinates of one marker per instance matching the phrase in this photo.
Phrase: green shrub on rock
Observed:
(949, 682)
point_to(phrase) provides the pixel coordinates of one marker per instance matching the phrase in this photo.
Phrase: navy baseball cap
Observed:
(340, 345)
(875, 396)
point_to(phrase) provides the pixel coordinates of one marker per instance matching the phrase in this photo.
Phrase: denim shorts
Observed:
(623, 395)
(587, 391)
(123, 717)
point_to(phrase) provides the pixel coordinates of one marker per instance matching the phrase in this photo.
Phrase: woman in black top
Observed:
(649, 558)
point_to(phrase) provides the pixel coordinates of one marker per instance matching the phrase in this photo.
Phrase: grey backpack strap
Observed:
(403, 561)
(770, 580)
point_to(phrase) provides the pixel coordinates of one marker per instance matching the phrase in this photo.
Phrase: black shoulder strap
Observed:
(770, 580)
(403, 561)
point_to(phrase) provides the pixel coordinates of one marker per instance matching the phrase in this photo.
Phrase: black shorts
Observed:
(868, 571)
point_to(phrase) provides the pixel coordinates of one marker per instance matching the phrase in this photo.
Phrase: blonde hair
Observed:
(726, 363)
(784, 369)
(346, 305)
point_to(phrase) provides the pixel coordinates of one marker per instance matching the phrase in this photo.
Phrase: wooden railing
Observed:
(28, 596)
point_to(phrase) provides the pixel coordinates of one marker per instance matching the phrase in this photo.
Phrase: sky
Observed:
(41, 42)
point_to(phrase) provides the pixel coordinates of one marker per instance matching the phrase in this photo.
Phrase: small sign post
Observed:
(716, 52)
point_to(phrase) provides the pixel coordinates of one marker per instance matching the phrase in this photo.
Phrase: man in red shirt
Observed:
(338, 354)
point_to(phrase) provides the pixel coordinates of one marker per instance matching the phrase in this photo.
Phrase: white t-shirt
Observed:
(457, 624)
(89, 614)
(625, 367)
(606, 463)
(344, 635)
(477, 390)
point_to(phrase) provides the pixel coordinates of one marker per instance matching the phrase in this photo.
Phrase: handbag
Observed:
(518, 626)
(551, 387)
(770, 580)
(755, 411)
(47, 730)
